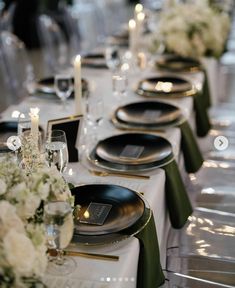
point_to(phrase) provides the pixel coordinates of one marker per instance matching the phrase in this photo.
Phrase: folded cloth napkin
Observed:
(150, 272)
(178, 203)
(193, 159)
(202, 101)
(206, 91)
(202, 120)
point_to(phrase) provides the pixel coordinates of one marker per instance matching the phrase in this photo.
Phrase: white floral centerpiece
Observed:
(23, 257)
(192, 30)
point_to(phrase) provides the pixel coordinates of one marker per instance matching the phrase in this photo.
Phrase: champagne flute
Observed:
(56, 150)
(63, 87)
(59, 226)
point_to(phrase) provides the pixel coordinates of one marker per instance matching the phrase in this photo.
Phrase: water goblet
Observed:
(58, 221)
(56, 150)
(120, 84)
(112, 57)
(63, 87)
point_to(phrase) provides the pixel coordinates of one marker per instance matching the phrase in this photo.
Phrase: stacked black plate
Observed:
(127, 214)
(95, 60)
(7, 129)
(132, 152)
(165, 87)
(147, 115)
(178, 64)
(46, 86)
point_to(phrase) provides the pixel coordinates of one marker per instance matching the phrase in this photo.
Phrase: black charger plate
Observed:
(154, 149)
(110, 238)
(165, 86)
(46, 85)
(127, 207)
(7, 129)
(178, 64)
(148, 113)
(96, 60)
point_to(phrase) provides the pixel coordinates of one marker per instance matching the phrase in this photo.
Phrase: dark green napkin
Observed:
(202, 120)
(202, 101)
(149, 267)
(206, 90)
(178, 203)
(192, 155)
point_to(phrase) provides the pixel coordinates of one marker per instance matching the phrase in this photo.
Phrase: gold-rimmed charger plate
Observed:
(148, 113)
(133, 149)
(165, 87)
(46, 85)
(176, 63)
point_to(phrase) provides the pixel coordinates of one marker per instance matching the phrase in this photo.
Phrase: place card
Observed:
(96, 213)
(72, 127)
(132, 151)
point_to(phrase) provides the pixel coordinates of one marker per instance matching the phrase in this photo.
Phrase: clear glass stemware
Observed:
(56, 150)
(63, 87)
(59, 226)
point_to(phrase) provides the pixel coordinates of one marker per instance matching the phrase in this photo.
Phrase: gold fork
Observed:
(118, 174)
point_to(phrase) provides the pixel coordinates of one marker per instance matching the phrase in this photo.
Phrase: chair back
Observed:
(53, 42)
(18, 71)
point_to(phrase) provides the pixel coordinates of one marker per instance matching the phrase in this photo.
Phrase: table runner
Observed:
(177, 200)
(193, 158)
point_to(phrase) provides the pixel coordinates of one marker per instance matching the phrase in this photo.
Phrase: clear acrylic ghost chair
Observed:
(204, 248)
(19, 70)
(54, 45)
(91, 25)
(6, 18)
(182, 280)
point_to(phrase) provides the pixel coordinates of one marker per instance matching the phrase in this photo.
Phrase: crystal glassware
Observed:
(63, 86)
(58, 221)
(56, 150)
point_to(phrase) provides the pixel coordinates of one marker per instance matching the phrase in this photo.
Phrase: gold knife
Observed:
(53, 252)
(118, 174)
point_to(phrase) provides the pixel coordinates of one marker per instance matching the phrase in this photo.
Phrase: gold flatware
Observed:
(53, 252)
(118, 174)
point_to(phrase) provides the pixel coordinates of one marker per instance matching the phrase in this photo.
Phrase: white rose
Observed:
(27, 208)
(9, 219)
(19, 251)
(43, 190)
(18, 192)
(3, 187)
(40, 262)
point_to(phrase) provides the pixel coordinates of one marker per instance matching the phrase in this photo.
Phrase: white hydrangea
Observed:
(193, 30)
(3, 187)
(19, 252)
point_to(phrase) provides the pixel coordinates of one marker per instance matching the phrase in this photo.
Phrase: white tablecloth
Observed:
(96, 273)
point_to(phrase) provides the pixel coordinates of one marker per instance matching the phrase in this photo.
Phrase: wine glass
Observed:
(63, 86)
(56, 150)
(112, 57)
(58, 221)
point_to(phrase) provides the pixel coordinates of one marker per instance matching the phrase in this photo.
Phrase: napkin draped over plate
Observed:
(150, 272)
(193, 158)
(177, 200)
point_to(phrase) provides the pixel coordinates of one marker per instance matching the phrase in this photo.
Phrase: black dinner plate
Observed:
(94, 60)
(178, 64)
(134, 149)
(148, 113)
(7, 129)
(165, 86)
(46, 85)
(127, 207)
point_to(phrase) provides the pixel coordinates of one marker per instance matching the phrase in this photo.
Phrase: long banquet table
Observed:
(91, 273)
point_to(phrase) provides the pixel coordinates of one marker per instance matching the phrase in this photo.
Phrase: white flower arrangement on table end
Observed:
(192, 30)
(23, 248)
